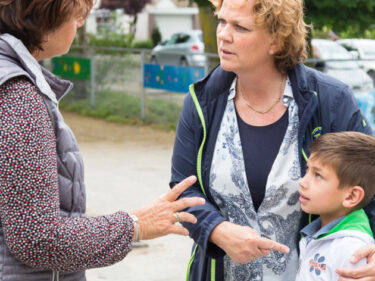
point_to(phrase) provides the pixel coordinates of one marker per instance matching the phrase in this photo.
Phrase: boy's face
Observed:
(320, 193)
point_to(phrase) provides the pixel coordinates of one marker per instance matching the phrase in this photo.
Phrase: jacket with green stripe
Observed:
(324, 253)
(324, 105)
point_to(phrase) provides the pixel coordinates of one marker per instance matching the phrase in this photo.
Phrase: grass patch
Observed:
(118, 107)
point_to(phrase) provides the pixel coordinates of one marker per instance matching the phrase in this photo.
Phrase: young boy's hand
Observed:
(362, 273)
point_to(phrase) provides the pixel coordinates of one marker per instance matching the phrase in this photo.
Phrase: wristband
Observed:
(136, 225)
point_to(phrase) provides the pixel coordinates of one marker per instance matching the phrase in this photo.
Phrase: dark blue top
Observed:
(260, 146)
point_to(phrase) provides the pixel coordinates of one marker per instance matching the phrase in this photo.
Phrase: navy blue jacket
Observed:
(324, 105)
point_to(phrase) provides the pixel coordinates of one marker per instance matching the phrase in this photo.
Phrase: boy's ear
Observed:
(354, 196)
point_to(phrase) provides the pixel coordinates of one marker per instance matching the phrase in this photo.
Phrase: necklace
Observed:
(268, 109)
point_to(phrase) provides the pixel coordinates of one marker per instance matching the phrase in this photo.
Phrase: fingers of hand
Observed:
(178, 229)
(265, 252)
(355, 279)
(351, 279)
(184, 203)
(358, 272)
(267, 244)
(176, 191)
(363, 252)
(185, 217)
(248, 256)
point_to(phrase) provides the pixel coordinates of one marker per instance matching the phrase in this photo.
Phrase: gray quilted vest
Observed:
(15, 60)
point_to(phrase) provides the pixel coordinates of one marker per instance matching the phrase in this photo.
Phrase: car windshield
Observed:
(335, 52)
(368, 49)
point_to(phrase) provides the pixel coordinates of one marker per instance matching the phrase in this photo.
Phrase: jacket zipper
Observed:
(199, 174)
(55, 275)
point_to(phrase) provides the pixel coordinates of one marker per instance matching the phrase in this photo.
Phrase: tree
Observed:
(208, 23)
(130, 7)
(155, 36)
(340, 15)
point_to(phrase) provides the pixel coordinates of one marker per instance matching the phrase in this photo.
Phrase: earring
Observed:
(271, 52)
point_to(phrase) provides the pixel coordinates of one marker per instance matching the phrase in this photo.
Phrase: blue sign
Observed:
(366, 103)
(171, 78)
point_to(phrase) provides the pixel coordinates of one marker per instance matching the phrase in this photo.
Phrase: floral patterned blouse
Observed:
(34, 231)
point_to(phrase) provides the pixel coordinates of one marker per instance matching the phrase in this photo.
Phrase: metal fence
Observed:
(115, 90)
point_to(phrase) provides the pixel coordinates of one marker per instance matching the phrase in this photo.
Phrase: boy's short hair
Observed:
(352, 156)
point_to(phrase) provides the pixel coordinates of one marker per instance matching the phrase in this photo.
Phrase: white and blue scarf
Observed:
(278, 215)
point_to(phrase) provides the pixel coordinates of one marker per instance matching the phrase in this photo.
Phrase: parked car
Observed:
(336, 61)
(364, 50)
(183, 48)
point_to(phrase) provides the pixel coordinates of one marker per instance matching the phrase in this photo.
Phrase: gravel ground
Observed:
(125, 167)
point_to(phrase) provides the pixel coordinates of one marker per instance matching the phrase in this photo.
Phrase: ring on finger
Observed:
(177, 216)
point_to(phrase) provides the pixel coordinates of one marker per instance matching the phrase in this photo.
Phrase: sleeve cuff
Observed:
(212, 250)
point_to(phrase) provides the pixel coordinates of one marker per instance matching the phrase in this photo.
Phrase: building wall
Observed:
(143, 24)
(165, 14)
(169, 24)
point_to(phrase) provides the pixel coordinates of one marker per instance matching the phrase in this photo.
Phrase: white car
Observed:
(336, 61)
(183, 48)
(364, 50)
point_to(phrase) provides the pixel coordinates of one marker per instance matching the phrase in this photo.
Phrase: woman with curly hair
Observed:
(244, 131)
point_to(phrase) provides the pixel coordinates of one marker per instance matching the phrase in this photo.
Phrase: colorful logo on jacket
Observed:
(316, 133)
(317, 264)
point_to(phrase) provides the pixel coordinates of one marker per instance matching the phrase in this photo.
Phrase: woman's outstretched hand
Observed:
(242, 243)
(160, 216)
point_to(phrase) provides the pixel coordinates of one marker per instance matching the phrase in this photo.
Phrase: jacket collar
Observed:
(219, 82)
(14, 51)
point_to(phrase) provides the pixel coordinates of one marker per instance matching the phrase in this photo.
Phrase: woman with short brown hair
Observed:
(44, 233)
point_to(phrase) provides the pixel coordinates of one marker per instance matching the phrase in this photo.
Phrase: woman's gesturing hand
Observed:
(160, 216)
(364, 273)
(242, 243)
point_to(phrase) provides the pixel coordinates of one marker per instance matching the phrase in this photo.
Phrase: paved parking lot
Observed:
(125, 167)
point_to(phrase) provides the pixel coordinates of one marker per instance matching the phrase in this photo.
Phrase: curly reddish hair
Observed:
(283, 19)
(31, 20)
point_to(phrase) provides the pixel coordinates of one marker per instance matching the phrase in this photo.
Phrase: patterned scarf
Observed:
(278, 215)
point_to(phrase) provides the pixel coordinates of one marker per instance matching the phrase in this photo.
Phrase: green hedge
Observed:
(114, 106)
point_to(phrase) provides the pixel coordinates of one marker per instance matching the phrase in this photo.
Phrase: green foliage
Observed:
(111, 35)
(115, 106)
(155, 35)
(322, 33)
(350, 32)
(339, 15)
(201, 3)
(145, 44)
(355, 33)
(112, 40)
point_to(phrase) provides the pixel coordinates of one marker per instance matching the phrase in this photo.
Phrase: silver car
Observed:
(183, 48)
(364, 50)
(336, 61)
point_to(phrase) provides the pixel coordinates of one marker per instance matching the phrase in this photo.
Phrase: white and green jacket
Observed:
(323, 253)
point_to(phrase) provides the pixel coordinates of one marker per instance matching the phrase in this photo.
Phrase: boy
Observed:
(339, 182)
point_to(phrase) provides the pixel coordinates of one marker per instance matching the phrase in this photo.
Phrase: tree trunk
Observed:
(209, 23)
(83, 39)
(132, 29)
(81, 88)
